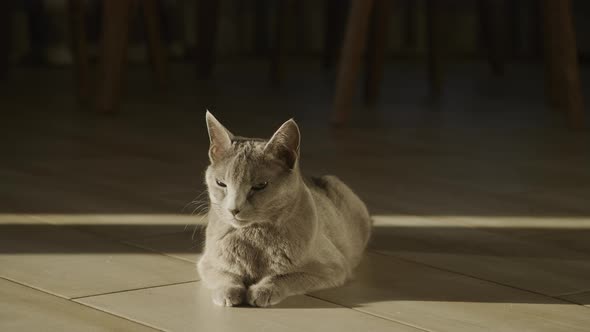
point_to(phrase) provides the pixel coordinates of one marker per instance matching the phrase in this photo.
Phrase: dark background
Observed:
(489, 145)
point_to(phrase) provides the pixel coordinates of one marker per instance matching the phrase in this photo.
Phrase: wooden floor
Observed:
(481, 204)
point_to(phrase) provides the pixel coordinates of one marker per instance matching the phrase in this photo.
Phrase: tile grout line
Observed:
(126, 318)
(159, 252)
(79, 303)
(475, 277)
(75, 299)
(400, 322)
(134, 289)
(35, 288)
(370, 313)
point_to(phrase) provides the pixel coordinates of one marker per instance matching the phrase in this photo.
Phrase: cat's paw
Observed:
(229, 296)
(264, 295)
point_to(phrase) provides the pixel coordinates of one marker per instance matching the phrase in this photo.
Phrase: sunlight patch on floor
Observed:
(540, 222)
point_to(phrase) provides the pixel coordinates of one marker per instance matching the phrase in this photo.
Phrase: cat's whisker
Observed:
(193, 203)
(194, 232)
(196, 208)
(198, 225)
(199, 243)
(203, 207)
(199, 202)
(196, 200)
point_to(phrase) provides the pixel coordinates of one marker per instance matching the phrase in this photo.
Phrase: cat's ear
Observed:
(219, 137)
(284, 144)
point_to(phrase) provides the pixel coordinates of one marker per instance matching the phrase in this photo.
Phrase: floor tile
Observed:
(502, 258)
(26, 309)
(186, 245)
(69, 263)
(189, 307)
(441, 301)
(581, 298)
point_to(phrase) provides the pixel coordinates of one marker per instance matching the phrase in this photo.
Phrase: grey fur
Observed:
(294, 236)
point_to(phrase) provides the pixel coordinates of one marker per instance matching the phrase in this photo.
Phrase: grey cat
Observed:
(271, 232)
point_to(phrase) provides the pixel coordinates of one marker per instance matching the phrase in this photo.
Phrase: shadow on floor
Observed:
(456, 240)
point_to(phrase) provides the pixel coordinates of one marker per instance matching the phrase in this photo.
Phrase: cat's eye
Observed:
(221, 184)
(259, 186)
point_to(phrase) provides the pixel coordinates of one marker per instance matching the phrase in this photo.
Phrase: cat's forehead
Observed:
(246, 161)
(247, 149)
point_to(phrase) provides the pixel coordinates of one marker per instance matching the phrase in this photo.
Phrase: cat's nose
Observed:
(234, 212)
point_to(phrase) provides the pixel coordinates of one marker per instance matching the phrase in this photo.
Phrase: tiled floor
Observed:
(482, 218)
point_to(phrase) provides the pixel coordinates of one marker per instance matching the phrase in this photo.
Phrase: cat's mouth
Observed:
(240, 222)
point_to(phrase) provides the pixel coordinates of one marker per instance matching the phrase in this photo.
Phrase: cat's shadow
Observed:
(298, 302)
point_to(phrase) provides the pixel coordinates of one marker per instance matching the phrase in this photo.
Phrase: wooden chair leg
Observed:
(514, 28)
(114, 52)
(351, 58)
(157, 51)
(277, 53)
(207, 27)
(410, 9)
(79, 47)
(435, 58)
(376, 49)
(561, 58)
(492, 19)
(335, 12)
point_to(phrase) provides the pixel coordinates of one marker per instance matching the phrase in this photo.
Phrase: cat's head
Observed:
(252, 180)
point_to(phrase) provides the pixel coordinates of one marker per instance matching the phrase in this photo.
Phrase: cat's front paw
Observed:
(229, 296)
(264, 295)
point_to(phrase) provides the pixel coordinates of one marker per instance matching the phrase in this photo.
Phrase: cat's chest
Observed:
(256, 253)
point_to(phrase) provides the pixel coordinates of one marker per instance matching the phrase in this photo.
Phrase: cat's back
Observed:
(338, 193)
(344, 215)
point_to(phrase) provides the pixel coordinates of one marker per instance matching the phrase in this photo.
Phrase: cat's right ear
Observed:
(284, 144)
(219, 138)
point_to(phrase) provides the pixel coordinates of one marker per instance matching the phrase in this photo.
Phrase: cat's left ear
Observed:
(284, 144)
(219, 137)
